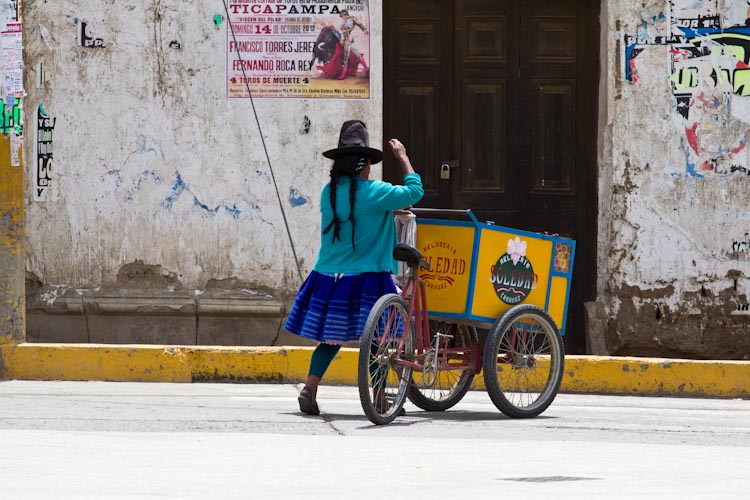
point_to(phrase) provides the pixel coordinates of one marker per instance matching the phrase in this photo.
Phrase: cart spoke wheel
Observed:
(386, 342)
(439, 386)
(523, 362)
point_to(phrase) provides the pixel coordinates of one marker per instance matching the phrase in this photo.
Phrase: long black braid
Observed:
(344, 166)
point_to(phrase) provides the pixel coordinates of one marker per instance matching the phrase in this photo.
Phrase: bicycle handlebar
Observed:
(437, 211)
(466, 214)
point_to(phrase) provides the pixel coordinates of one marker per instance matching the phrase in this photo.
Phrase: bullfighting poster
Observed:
(299, 49)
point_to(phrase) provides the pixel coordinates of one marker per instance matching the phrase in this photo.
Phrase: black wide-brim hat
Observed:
(354, 139)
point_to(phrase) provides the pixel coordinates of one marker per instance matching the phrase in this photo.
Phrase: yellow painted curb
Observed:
(151, 363)
(612, 375)
(94, 362)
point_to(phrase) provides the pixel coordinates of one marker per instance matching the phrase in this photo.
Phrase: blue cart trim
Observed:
(570, 283)
(473, 283)
(549, 282)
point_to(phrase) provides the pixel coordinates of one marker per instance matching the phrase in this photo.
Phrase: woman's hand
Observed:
(398, 149)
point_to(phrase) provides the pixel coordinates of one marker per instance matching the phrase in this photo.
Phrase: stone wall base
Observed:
(131, 316)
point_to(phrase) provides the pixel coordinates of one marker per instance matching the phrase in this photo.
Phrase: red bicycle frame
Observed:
(447, 358)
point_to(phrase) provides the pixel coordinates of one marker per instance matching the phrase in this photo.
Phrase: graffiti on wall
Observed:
(740, 246)
(84, 40)
(709, 55)
(14, 12)
(238, 209)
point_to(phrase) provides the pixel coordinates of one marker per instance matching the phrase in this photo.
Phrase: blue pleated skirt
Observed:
(334, 309)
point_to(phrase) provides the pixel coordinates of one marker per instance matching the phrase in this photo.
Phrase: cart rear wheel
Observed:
(439, 389)
(523, 362)
(382, 380)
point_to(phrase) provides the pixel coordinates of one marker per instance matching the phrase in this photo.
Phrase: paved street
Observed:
(96, 440)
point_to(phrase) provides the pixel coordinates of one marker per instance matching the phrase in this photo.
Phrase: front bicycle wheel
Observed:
(382, 377)
(523, 362)
(442, 384)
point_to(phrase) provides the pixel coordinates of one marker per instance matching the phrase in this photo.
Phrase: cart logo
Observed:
(445, 266)
(513, 277)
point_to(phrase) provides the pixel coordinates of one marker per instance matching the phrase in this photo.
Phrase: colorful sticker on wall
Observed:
(11, 111)
(16, 140)
(11, 42)
(513, 275)
(709, 51)
(45, 127)
(299, 48)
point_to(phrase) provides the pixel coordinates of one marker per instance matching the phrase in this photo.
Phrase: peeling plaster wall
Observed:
(12, 304)
(152, 161)
(160, 181)
(674, 183)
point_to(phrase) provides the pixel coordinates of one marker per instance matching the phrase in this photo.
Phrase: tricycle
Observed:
(463, 274)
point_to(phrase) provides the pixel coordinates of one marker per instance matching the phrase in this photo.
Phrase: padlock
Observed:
(445, 171)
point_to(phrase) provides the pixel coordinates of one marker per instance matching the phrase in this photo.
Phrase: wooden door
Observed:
(505, 93)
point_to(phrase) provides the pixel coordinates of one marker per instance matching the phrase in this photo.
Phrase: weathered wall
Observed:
(674, 180)
(160, 182)
(161, 201)
(12, 309)
(12, 328)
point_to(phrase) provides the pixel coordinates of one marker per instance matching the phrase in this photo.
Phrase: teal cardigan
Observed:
(375, 229)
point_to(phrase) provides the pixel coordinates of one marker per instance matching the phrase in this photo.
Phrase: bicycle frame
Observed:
(444, 358)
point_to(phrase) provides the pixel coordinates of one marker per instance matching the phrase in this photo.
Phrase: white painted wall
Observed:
(153, 162)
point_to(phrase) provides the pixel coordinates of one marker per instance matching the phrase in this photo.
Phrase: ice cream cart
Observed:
(462, 274)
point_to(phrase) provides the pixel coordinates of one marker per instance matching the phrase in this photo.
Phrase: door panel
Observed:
(507, 90)
(419, 110)
(484, 157)
(484, 64)
(554, 39)
(486, 39)
(418, 89)
(549, 60)
(553, 134)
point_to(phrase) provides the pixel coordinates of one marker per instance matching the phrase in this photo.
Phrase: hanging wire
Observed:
(263, 140)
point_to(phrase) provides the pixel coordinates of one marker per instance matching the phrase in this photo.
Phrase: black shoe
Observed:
(306, 403)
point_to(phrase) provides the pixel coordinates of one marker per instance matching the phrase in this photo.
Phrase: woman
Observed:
(355, 260)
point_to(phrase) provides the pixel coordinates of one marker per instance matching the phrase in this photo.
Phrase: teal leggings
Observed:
(321, 359)
(323, 355)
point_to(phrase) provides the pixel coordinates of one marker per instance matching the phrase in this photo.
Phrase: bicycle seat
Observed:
(410, 255)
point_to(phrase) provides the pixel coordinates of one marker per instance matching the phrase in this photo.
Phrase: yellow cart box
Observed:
(478, 270)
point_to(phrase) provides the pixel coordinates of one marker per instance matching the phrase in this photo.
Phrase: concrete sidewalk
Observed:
(153, 363)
